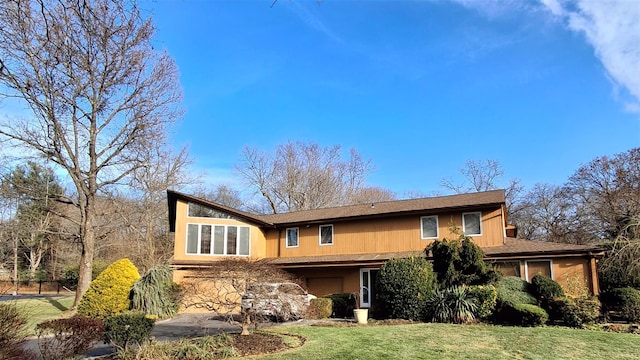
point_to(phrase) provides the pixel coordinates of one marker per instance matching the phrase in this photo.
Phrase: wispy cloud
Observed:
(312, 20)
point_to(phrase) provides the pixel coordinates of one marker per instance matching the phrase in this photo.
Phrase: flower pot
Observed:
(361, 315)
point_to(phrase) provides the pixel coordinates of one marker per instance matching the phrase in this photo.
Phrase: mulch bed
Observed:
(258, 343)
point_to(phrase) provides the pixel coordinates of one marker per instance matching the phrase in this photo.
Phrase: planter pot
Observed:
(361, 315)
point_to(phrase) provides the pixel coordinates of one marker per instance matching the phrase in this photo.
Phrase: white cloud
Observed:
(613, 29)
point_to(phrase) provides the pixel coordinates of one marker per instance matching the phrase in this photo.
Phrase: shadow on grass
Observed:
(57, 304)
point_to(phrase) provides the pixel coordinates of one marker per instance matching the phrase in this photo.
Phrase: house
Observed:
(340, 249)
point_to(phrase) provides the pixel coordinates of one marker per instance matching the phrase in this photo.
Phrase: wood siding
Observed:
(380, 235)
(257, 244)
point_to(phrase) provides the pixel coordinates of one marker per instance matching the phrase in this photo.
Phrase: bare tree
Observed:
(487, 175)
(99, 93)
(222, 194)
(301, 176)
(221, 286)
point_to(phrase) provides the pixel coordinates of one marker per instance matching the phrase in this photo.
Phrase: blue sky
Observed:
(418, 87)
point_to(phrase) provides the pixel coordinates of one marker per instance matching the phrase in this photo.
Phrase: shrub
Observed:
(155, 293)
(403, 286)
(108, 294)
(544, 288)
(13, 332)
(340, 305)
(626, 301)
(71, 337)
(320, 308)
(460, 262)
(485, 296)
(70, 274)
(128, 328)
(522, 314)
(452, 305)
(512, 289)
(574, 312)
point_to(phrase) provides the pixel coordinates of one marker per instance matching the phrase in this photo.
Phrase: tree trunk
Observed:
(87, 234)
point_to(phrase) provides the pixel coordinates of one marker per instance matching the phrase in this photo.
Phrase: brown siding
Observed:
(257, 242)
(573, 274)
(321, 282)
(381, 235)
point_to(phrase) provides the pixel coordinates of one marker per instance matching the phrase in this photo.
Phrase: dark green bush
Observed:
(521, 314)
(320, 308)
(452, 305)
(512, 289)
(128, 328)
(155, 293)
(574, 312)
(340, 305)
(67, 338)
(108, 294)
(460, 262)
(544, 288)
(403, 286)
(624, 301)
(485, 296)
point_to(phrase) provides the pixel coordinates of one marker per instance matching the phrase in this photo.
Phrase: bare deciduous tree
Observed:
(221, 286)
(99, 94)
(301, 176)
(483, 176)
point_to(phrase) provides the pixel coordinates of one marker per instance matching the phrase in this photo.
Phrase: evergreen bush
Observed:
(403, 287)
(108, 294)
(460, 262)
(544, 288)
(485, 296)
(340, 305)
(512, 289)
(128, 328)
(155, 293)
(625, 301)
(574, 312)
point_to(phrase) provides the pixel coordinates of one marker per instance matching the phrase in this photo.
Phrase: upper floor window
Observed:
(326, 234)
(292, 237)
(197, 210)
(204, 239)
(472, 223)
(429, 227)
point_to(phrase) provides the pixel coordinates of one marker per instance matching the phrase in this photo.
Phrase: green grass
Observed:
(43, 309)
(444, 341)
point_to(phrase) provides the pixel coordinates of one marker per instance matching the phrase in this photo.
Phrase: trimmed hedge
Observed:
(544, 288)
(403, 286)
(341, 304)
(67, 338)
(128, 328)
(512, 289)
(108, 294)
(522, 314)
(320, 308)
(574, 312)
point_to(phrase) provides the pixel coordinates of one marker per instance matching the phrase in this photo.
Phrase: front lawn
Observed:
(444, 341)
(44, 308)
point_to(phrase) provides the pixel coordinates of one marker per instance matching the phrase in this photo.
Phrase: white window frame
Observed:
(367, 271)
(286, 237)
(526, 267)
(464, 230)
(422, 228)
(320, 235)
(224, 249)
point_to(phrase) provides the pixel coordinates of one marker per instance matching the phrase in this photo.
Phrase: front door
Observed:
(368, 287)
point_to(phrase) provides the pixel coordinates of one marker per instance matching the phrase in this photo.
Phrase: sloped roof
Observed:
(378, 209)
(512, 248)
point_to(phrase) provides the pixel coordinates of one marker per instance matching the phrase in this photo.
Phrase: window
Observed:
(472, 223)
(292, 237)
(326, 234)
(205, 239)
(535, 267)
(197, 210)
(429, 227)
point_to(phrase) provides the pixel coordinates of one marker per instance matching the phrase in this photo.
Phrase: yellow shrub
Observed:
(108, 294)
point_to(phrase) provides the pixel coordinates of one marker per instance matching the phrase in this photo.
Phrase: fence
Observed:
(35, 287)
